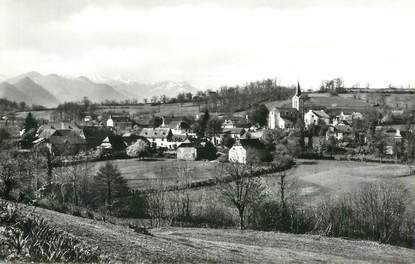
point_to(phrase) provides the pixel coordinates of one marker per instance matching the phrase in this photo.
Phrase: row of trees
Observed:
(229, 99)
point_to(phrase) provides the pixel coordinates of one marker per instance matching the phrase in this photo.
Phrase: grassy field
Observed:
(145, 174)
(316, 180)
(164, 109)
(311, 180)
(119, 244)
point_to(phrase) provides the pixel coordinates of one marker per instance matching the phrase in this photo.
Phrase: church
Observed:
(286, 117)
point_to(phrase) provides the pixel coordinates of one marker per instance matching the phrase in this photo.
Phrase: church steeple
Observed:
(297, 100)
(298, 90)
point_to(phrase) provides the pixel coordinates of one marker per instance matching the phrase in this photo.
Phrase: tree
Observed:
(109, 183)
(213, 127)
(243, 191)
(259, 116)
(331, 145)
(156, 121)
(139, 149)
(4, 135)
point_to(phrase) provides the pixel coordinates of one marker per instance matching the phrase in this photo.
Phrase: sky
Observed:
(209, 43)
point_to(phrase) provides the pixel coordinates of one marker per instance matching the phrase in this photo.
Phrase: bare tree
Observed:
(243, 191)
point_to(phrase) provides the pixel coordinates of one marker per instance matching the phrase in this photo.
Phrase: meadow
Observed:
(310, 180)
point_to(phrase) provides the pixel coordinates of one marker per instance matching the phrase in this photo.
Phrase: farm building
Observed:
(247, 151)
(177, 126)
(233, 132)
(94, 135)
(113, 143)
(160, 137)
(62, 141)
(339, 132)
(189, 150)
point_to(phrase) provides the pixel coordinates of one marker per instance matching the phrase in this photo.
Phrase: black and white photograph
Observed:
(207, 131)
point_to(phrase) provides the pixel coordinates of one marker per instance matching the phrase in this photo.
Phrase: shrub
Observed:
(377, 211)
(213, 217)
(31, 238)
(272, 216)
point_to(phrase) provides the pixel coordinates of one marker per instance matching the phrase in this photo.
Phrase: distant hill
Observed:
(11, 93)
(139, 91)
(36, 94)
(72, 89)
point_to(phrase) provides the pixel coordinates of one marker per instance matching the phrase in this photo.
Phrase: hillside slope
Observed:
(71, 89)
(193, 245)
(11, 93)
(36, 93)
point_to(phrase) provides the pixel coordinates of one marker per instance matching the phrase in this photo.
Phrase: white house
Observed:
(110, 122)
(248, 151)
(313, 117)
(347, 117)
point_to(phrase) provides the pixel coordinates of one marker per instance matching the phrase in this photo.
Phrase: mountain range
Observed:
(51, 89)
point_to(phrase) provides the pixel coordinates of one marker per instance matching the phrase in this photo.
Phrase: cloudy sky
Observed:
(208, 43)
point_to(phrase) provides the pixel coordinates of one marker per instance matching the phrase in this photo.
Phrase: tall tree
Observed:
(109, 183)
(259, 115)
(139, 149)
(30, 122)
(243, 192)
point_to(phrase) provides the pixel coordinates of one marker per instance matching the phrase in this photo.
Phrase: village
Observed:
(233, 137)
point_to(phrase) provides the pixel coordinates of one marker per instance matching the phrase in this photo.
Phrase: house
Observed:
(347, 117)
(113, 143)
(282, 118)
(339, 132)
(177, 126)
(94, 135)
(234, 122)
(120, 123)
(316, 117)
(247, 151)
(61, 141)
(233, 132)
(160, 137)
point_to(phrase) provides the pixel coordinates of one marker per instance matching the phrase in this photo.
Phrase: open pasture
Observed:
(144, 174)
(316, 180)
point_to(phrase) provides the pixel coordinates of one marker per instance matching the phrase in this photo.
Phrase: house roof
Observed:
(190, 144)
(251, 143)
(113, 142)
(285, 110)
(159, 132)
(321, 113)
(343, 129)
(46, 133)
(63, 136)
(235, 130)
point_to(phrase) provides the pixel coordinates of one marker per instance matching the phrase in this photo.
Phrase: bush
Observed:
(213, 217)
(272, 216)
(377, 211)
(30, 238)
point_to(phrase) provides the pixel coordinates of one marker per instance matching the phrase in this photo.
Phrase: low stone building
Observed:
(189, 150)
